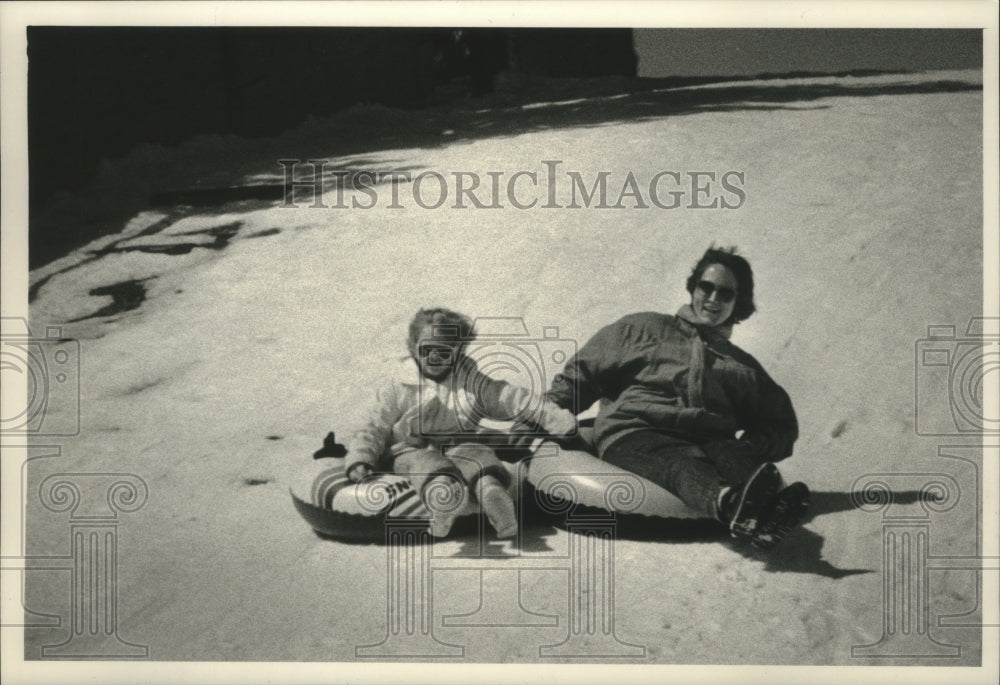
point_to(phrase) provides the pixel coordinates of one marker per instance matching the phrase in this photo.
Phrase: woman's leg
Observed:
(732, 459)
(685, 470)
(678, 466)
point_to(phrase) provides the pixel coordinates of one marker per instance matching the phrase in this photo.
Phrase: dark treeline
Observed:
(95, 92)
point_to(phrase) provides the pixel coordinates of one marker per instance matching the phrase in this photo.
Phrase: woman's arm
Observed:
(502, 400)
(772, 427)
(594, 371)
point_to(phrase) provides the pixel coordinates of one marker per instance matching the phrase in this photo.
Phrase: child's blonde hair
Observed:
(446, 324)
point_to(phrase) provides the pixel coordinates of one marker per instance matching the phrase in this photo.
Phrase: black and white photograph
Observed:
(441, 342)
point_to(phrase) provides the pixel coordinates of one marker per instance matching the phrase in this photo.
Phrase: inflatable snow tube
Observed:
(337, 508)
(568, 482)
(564, 483)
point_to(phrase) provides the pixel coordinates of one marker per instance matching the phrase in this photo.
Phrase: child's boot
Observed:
(498, 506)
(445, 498)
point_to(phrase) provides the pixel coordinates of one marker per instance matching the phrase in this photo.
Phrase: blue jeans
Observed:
(696, 474)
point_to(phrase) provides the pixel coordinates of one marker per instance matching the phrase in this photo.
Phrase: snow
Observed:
(863, 222)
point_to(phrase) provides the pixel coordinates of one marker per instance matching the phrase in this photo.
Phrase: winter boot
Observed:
(445, 497)
(790, 507)
(498, 506)
(742, 508)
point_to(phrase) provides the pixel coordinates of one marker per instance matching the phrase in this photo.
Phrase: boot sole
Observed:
(499, 509)
(444, 499)
(789, 510)
(759, 490)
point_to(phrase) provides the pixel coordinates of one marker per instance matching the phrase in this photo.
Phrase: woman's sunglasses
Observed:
(724, 295)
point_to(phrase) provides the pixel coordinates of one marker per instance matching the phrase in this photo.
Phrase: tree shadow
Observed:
(125, 296)
(646, 99)
(207, 189)
(525, 105)
(206, 202)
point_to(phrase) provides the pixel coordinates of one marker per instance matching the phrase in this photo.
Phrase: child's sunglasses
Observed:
(444, 352)
(724, 295)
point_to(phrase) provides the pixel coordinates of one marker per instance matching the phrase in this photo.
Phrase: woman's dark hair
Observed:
(727, 257)
(447, 324)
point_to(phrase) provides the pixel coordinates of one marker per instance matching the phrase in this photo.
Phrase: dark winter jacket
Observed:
(661, 372)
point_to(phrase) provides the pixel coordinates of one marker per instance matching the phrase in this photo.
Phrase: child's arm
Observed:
(501, 399)
(369, 443)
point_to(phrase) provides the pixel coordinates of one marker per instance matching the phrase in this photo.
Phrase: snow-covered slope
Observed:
(262, 327)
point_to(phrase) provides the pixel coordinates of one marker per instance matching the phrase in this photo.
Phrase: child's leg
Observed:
(440, 484)
(422, 465)
(488, 479)
(475, 461)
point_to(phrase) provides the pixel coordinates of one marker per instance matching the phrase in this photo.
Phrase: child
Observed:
(417, 425)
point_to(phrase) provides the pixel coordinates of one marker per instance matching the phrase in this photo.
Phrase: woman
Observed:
(674, 393)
